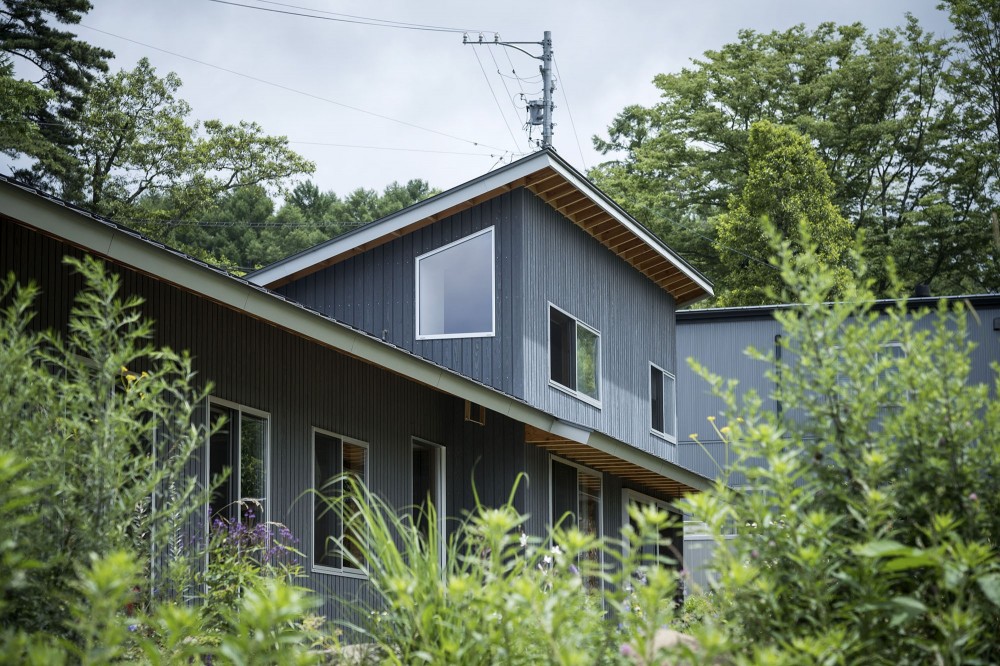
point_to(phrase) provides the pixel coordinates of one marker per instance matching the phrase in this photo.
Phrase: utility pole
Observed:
(539, 110)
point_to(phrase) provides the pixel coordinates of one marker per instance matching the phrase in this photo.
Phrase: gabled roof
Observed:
(30, 207)
(554, 181)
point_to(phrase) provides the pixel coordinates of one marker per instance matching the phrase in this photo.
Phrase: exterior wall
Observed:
(375, 292)
(717, 341)
(565, 266)
(719, 346)
(301, 385)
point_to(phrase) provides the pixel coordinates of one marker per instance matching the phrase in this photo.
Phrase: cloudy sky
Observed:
(372, 104)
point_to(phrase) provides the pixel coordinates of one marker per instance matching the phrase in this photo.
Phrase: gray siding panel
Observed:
(567, 267)
(375, 291)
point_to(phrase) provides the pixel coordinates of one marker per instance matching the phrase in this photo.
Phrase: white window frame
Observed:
(585, 470)
(343, 571)
(440, 502)
(207, 476)
(493, 289)
(600, 357)
(672, 438)
(582, 469)
(634, 496)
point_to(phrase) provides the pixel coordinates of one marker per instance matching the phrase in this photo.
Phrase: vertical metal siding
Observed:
(374, 291)
(569, 268)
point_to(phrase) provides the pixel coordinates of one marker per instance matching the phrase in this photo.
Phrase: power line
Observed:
(385, 23)
(499, 108)
(290, 141)
(576, 135)
(372, 22)
(505, 88)
(294, 90)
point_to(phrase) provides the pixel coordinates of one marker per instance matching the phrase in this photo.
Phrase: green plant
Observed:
(868, 534)
(103, 421)
(497, 595)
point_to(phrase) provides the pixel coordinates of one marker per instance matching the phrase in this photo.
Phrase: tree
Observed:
(866, 527)
(787, 186)
(67, 66)
(974, 80)
(877, 109)
(135, 141)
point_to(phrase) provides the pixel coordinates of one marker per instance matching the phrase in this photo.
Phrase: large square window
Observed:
(574, 356)
(455, 289)
(335, 535)
(663, 403)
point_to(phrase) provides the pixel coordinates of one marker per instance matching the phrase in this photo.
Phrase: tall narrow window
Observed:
(334, 455)
(237, 463)
(663, 403)
(455, 289)
(574, 356)
(576, 496)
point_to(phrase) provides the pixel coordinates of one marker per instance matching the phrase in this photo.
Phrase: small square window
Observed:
(574, 356)
(663, 403)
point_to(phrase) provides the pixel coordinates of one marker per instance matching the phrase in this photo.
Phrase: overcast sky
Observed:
(606, 55)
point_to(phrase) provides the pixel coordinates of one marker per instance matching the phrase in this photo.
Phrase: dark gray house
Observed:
(520, 323)
(717, 338)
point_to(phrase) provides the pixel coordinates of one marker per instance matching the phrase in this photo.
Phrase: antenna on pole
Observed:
(539, 110)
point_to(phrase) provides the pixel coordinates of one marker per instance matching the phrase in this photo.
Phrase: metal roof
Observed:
(549, 177)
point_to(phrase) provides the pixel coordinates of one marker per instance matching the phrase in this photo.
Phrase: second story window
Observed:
(663, 403)
(455, 289)
(574, 356)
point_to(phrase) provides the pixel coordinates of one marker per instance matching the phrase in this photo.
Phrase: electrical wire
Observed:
(576, 135)
(372, 22)
(499, 108)
(506, 90)
(294, 90)
(387, 23)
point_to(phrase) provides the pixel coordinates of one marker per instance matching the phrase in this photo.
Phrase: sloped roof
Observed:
(549, 177)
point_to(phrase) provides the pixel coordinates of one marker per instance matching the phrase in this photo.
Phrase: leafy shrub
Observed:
(869, 534)
(501, 596)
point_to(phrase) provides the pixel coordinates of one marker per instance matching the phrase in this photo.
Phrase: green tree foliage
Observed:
(787, 185)
(135, 139)
(866, 530)
(60, 68)
(241, 230)
(974, 77)
(881, 110)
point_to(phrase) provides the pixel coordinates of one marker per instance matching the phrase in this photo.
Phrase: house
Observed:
(520, 323)
(717, 338)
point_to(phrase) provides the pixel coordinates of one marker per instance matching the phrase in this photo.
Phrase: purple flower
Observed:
(627, 650)
(974, 497)
(133, 627)
(573, 570)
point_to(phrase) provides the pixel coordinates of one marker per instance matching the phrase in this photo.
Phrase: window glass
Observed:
(574, 355)
(662, 402)
(237, 453)
(588, 361)
(562, 359)
(332, 456)
(455, 289)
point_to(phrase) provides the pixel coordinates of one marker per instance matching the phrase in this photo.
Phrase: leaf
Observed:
(884, 548)
(990, 585)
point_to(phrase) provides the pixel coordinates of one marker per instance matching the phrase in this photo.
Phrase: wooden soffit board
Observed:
(605, 462)
(549, 185)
